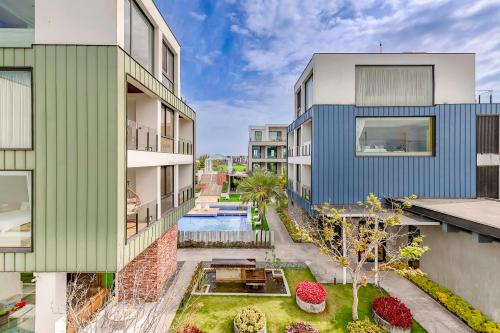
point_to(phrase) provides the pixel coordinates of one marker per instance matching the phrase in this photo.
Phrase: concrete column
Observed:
(50, 310)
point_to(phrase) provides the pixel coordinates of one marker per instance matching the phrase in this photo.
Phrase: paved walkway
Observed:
(432, 316)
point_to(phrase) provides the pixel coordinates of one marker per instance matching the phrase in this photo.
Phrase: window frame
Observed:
(164, 72)
(129, 52)
(32, 115)
(298, 102)
(432, 137)
(310, 77)
(31, 247)
(398, 65)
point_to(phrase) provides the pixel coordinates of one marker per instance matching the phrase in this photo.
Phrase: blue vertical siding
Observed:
(340, 177)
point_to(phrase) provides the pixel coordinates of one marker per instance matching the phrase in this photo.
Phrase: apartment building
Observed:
(96, 151)
(267, 147)
(402, 124)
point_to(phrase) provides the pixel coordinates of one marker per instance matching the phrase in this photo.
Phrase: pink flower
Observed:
(311, 292)
(393, 311)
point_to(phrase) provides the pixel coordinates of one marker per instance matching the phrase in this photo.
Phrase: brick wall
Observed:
(145, 276)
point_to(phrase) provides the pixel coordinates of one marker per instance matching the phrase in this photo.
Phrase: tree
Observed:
(260, 189)
(351, 242)
(201, 160)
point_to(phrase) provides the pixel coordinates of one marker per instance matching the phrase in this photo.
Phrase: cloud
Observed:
(198, 16)
(239, 30)
(208, 58)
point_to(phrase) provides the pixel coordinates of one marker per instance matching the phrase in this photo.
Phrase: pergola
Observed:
(217, 157)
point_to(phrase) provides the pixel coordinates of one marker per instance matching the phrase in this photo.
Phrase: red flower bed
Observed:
(191, 329)
(393, 311)
(311, 292)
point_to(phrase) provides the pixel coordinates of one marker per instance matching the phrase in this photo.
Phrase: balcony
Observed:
(185, 194)
(185, 147)
(141, 137)
(167, 203)
(167, 144)
(141, 217)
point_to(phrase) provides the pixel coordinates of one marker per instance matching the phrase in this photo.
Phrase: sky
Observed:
(240, 59)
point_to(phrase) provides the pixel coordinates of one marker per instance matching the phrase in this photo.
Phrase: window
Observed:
(309, 92)
(138, 35)
(488, 134)
(258, 136)
(275, 135)
(272, 152)
(15, 210)
(167, 130)
(394, 136)
(394, 85)
(15, 109)
(256, 152)
(168, 61)
(167, 188)
(17, 14)
(298, 102)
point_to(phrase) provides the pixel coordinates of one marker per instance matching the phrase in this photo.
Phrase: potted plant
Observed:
(392, 315)
(311, 296)
(250, 320)
(301, 327)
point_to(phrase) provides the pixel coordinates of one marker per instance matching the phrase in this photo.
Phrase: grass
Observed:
(232, 198)
(239, 168)
(214, 314)
(265, 225)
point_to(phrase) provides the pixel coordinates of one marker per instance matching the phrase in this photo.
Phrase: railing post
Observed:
(136, 223)
(136, 137)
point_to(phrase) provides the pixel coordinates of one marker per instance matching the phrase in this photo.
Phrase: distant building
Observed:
(402, 124)
(241, 160)
(267, 147)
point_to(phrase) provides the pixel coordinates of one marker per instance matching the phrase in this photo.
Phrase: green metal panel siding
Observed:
(74, 158)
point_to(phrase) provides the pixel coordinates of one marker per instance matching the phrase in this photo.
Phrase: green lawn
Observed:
(265, 225)
(232, 198)
(239, 168)
(214, 314)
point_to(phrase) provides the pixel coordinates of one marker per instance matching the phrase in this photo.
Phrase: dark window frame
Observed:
(30, 70)
(488, 134)
(31, 248)
(166, 50)
(129, 52)
(310, 77)
(298, 102)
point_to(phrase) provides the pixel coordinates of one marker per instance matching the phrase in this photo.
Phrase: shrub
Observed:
(290, 225)
(301, 327)
(363, 326)
(250, 319)
(457, 305)
(191, 329)
(311, 292)
(393, 311)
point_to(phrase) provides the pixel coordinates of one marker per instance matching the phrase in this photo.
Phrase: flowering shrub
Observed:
(249, 320)
(190, 329)
(393, 311)
(311, 292)
(363, 326)
(301, 327)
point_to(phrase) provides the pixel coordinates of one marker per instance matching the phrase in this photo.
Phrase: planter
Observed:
(236, 330)
(309, 307)
(388, 327)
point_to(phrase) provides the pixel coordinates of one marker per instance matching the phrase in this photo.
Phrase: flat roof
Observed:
(406, 219)
(478, 215)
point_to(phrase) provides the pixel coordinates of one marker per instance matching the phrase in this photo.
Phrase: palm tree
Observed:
(261, 188)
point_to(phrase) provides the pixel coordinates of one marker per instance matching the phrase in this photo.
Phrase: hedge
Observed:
(364, 326)
(290, 225)
(457, 305)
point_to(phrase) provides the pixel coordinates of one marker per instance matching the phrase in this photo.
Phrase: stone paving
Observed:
(431, 315)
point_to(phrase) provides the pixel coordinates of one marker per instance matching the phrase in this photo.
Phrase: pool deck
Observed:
(215, 212)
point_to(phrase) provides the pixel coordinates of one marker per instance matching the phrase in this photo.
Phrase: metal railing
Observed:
(167, 83)
(167, 203)
(185, 194)
(185, 147)
(141, 137)
(305, 149)
(145, 215)
(167, 144)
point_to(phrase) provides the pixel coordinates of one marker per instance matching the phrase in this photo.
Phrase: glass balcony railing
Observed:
(185, 147)
(141, 137)
(185, 194)
(167, 145)
(141, 218)
(167, 203)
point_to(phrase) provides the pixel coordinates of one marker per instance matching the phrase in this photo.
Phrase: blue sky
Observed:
(240, 59)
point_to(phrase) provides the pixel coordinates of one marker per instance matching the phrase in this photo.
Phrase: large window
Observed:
(15, 210)
(394, 136)
(168, 61)
(298, 102)
(15, 109)
(138, 35)
(17, 14)
(256, 152)
(309, 92)
(394, 85)
(275, 136)
(257, 136)
(167, 130)
(167, 188)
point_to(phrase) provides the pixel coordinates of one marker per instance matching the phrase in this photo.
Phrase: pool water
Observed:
(214, 223)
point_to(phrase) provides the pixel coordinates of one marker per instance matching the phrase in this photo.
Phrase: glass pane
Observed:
(258, 136)
(170, 64)
(17, 14)
(394, 85)
(127, 25)
(142, 38)
(15, 109)
(394, 135)
(15, 209)
(309, 93)
(164, 58)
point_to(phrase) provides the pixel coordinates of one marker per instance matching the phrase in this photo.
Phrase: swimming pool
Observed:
(214, 223)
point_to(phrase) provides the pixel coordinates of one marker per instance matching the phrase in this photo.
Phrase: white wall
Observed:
(468, 268)
(50, 309)
(185, 175)
(334, 75)
(137, 158)
(11, 287)
(147, 184)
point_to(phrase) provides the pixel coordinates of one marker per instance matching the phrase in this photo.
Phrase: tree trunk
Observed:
(354, 301)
